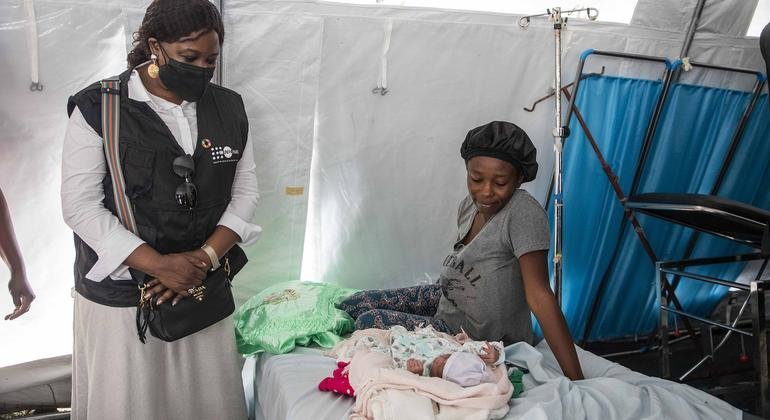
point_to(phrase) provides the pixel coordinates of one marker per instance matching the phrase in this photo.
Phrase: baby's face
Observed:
(437, 368)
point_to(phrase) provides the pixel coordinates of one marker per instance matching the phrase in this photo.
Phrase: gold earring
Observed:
(152, 69)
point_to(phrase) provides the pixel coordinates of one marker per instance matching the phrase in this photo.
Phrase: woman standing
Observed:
(190, 176)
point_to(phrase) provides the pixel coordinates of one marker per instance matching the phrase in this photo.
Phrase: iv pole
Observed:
(560, 132)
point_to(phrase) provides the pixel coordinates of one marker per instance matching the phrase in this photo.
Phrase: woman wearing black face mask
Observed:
(190, 177)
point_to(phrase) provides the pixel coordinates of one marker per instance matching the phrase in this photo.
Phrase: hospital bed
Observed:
(285, 387)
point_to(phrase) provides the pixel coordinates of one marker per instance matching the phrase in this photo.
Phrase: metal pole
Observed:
(660, 278)
(558, 136)
(690, 35)
(744, 121)
(734, 324)
(696, 13)
(759, 329)
(575, 86)
(649, 135)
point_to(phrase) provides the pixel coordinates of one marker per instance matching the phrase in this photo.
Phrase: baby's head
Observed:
(437, 367)
(464, 369)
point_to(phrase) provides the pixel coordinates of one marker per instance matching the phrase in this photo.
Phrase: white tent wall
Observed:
(78, 43)
(380, 174)
(388, 170)
(273, 60)
(727, 17)
(390, 176)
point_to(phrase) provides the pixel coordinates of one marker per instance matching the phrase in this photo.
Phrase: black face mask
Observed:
(186, 80)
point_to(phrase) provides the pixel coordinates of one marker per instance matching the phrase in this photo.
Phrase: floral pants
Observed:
(410, 307)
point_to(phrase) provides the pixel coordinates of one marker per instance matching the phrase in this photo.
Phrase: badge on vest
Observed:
(221, 154)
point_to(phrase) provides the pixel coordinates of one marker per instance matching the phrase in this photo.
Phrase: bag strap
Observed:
(111, 135)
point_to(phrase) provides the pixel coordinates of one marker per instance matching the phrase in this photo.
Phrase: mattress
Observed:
(285, 387)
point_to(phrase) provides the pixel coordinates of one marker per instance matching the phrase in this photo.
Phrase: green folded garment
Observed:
(515, 375)
(292, 314)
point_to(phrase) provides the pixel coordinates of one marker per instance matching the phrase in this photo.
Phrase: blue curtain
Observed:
(691, 142)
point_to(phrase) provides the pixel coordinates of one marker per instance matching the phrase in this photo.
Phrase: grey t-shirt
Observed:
(482, 290)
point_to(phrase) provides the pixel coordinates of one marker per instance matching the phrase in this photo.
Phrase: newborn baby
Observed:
(427, 352)
(462, 367)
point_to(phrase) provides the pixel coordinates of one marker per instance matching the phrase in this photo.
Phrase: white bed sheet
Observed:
(286, 388)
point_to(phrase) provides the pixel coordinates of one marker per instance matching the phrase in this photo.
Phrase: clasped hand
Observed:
(175, 273)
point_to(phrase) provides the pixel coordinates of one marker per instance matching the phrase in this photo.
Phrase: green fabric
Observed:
(292, 314)
(515, 375)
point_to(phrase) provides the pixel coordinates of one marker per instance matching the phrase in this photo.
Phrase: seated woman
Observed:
(496, 272)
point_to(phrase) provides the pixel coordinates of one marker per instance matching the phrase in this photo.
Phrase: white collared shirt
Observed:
(84, 168)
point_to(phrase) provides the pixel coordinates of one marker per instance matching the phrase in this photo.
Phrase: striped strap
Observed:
(110, 130)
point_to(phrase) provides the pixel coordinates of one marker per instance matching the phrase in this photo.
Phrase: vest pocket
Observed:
(138, 167)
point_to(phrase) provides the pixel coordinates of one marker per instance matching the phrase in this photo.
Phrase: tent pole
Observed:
(692, 28)
(690, 35)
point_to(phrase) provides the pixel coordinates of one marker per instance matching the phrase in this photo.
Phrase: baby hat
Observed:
(465, 369)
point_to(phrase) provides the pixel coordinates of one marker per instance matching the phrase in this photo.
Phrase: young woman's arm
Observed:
(542, 302)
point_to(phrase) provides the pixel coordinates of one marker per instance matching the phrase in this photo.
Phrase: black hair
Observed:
(170, 20)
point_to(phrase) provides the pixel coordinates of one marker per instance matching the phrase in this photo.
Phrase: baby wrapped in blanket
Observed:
(428, 352)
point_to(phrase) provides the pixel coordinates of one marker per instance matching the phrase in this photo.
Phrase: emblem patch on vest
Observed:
(224, 154)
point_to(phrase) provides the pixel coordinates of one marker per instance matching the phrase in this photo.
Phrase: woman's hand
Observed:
(179, 272)
(18, 286)
(156, 288)
(22, 295)
(200, 255)
(490, 354)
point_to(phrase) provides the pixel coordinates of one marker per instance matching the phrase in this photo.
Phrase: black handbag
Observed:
(188, 316)
(215, 300)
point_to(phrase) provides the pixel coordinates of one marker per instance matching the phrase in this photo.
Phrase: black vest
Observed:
(147, 150)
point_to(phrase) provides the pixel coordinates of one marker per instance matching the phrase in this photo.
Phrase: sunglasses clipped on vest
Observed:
(186, 194)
